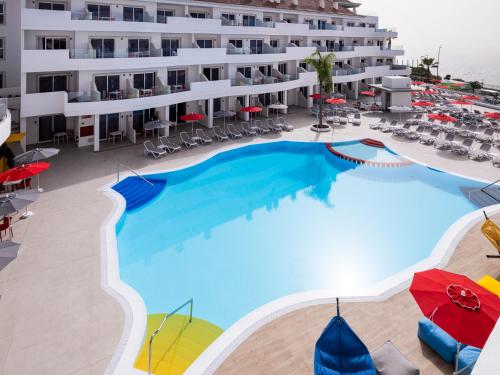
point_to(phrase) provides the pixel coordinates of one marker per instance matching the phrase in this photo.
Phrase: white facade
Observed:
(10, 55)
(90, 69)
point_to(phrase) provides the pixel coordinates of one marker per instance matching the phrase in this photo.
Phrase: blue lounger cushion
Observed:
(467, 358)
(442, 343)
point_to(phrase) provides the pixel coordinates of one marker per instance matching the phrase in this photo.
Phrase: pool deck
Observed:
(56, 319)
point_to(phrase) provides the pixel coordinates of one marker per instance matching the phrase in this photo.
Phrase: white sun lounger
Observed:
(187, 141)
(151, 149)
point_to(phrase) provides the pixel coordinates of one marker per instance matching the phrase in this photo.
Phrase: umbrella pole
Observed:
(456, 358)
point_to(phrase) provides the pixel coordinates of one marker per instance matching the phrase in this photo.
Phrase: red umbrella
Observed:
(251, 109)
(435, 80)
(23, 171)
(192, 117)
(423, 104)
(461, 102)
(493, 115)
(429, 92)
(416, 92)
(458, 84)
(418, 83)
(336, 101)
(464, 309)
(441, 117)
(470, 97)
(442, 87)
(368, 93)
(318, 96)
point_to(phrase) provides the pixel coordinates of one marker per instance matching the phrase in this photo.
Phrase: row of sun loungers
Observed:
(200, 137)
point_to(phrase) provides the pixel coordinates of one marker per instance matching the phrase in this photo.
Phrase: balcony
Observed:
(253, 23)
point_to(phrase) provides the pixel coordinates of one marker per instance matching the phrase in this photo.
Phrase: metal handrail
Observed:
(483, 189)
(157, 331)
(131, 170)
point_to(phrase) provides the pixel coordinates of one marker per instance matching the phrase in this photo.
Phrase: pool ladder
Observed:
(157, 331)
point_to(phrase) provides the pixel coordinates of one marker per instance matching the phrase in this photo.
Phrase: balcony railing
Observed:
(89, 53)
(266, 80)
(398, 67)
(85, 15)
(347, 72)
(254, 23)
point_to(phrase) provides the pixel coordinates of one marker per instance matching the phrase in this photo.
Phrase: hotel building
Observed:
(92, 68)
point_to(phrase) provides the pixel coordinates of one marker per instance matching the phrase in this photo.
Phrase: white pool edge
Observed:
(135, 312)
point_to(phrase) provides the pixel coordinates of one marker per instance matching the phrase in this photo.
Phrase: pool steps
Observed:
(371, 143)
(138, 192)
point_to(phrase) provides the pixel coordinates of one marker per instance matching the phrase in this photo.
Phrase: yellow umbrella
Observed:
(492, 232)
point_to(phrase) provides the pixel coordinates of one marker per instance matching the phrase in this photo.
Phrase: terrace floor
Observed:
(56, 319)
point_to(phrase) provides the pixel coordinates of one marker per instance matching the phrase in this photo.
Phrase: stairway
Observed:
(138, 192)
(484, 197)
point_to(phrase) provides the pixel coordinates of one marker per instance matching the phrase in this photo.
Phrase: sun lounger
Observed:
(219, 134)
(444, 144)
(486, 137)
(378, 125)
(284, 125)
(462, 149)
(414, 135)
(168, 146)
(482, 153)
(259, 127)
(204, 139)
(232, 132)
(151, 149)
(356, 121)
(247, 130)
(390, 127)
(490, 283)
(187, 141)
(496, 161)
(402, 130)
(429, 139)
(272, 126)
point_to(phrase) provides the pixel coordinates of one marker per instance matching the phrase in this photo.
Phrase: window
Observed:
(2, 13)
(322, 25)
(238, 43)
(246, 71)
(169, 46)
(144, 80)
(282, 68)
(350, 24)
(107, 124)
(266, 70)
(177, 79)
(304, 92)
(132, 14)
(371, 25)
(205, 43)
(162, 14)
(2, 48)
(198, 15)
(51, 43)
(99, 12)
(256, 46)
(317, 42)
(53, 83)
(249, 20)
(296, 42)
(275, 43)
(103, 48)
(48, 125)
(212, 73)
(51, 6)
(268, 19)
(229, 17)
(2, 80)
(138, 47)
(107, 85)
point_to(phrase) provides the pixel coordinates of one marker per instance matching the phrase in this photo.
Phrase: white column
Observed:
(164, 114)
(210, 113)
(356, 90)
(22, 129)
(245, 116)
(310, 101)
(285, 100)
(96, 133)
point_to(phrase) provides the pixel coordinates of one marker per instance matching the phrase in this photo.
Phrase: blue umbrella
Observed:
(340, 352)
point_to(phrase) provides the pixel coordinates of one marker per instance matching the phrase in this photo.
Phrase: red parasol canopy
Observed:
(464, 309)
(458, 84)
(23, 171)
(461, 102)
(429, 92)
(441, 117)
(368, 93)
(442, 87)
(252, 109)
(493, 115)
(470, 97)
(318, 96)
(435, 80)
(416, 92)
(192, 117)
(423, 104)
(418, 83)
(336, 101)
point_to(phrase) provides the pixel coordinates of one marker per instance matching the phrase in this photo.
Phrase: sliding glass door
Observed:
(103, 48)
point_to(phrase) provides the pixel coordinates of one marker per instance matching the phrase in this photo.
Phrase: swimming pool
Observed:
(261, 222)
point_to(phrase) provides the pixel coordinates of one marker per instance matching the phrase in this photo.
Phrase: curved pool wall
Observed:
(440, 182)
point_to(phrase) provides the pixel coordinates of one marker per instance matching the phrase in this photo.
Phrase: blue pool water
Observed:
(265, 221)
(361, 151)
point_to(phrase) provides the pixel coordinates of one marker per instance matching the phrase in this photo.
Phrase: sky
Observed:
(468, 30)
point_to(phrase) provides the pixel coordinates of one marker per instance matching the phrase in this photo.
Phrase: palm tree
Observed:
(428, 63)
(475, 85)
(323, 64)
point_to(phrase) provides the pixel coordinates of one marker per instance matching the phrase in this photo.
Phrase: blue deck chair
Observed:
(340, 352)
